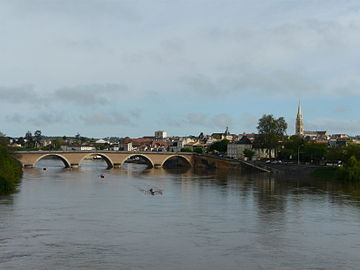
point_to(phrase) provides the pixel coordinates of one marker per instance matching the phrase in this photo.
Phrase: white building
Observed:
(160, 134)
(126, 146)
(236, 150)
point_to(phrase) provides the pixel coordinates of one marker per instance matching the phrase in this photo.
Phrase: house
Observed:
(316, 136)
(236, 150)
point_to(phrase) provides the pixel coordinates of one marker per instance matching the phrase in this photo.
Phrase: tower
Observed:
(299, 126)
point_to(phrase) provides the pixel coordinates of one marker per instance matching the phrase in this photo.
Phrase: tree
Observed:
(292, 148)
(3, 139)
(29, 139)
(248, 153)
(314, 152)
(10, 168)
(271, 133)
(21, 141)
(198, 150)
(220, 146)
(38, 137)
(185, 149)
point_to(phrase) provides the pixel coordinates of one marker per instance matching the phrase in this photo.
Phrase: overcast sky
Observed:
(128, 68)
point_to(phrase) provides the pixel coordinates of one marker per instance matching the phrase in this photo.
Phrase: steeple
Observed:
(299, 126)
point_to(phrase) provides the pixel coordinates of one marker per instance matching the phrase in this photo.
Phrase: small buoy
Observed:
(102, 176)
(44, 169)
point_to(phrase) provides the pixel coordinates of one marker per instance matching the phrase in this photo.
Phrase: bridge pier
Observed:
(117, 165)
(74, 165)
(28, 166)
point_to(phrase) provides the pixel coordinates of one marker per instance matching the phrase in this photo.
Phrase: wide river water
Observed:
(73, 219)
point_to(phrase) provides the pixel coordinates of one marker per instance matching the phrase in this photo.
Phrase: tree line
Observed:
(10, 168)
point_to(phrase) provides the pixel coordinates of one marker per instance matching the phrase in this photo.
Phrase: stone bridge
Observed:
(114, 159)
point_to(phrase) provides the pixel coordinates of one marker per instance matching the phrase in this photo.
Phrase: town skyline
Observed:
(106, 68)
(291, 127)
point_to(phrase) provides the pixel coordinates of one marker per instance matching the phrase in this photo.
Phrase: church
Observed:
(308, 135)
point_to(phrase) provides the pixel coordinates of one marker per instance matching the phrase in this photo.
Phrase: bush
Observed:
(10, 171)
(198, 150)
(249, 153)
(351, 171)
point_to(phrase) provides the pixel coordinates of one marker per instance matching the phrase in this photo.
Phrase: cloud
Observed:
(197, 119)
(334, 125)
(136, 113)
(248, 121)
(221, 120)
(19, 94)
(210, 121)
(106, 118)
(201, 84)
(39, 119)
(90, 95)
(341, 108)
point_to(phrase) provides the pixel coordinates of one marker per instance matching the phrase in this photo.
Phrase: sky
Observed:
(127, 68)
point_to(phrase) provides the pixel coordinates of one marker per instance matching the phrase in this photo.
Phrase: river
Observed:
(74, 219)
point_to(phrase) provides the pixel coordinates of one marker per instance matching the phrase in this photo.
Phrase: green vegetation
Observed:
(271, 133)
(328, 173)
(198, 150)
(349, 157)
(297, 149)
(248, 153)
(220, 146)
(185, 149)
(10, 168)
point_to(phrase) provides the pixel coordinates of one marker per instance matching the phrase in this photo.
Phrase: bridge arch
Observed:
(108, 160)
(188, 162)
(61, 157)
(138, 155)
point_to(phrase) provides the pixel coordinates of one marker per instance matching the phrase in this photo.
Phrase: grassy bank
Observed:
(10, 171)
(329, 173)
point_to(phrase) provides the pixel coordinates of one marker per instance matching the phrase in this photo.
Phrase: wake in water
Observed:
(150, 190)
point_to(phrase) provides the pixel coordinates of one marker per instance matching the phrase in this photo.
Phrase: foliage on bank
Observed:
(219, 146)
(10, 169)
(349, 157)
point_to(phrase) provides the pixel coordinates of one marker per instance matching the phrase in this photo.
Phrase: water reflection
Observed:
(73, 219)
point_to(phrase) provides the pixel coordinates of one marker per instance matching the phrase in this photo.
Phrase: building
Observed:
(223, 136)
(160, 135)
(316, 136)
(236, 150)
(126, 146)
(299, 125)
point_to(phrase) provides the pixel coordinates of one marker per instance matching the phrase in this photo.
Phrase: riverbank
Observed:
(10, 172)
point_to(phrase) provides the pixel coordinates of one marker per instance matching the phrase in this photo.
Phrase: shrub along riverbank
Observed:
(10, 169)
(349, 157)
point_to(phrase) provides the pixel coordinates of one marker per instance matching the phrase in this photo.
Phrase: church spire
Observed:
(299, 126)
(299, 114)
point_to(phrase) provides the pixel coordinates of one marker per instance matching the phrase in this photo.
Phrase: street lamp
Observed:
(298, 154)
